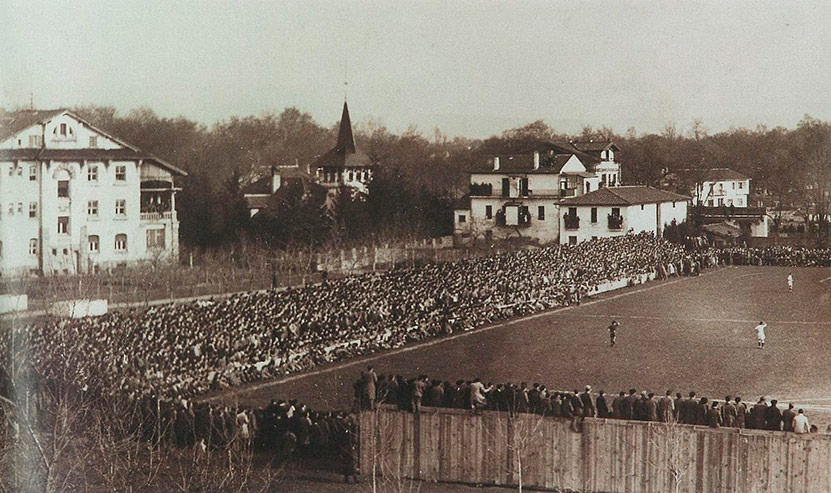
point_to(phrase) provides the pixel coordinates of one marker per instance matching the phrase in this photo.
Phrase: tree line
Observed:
(419, 175)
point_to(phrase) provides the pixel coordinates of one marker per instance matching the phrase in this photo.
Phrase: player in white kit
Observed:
(790, 282)
(760, 334)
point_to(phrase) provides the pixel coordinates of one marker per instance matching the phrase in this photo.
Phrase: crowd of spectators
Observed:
(413, 393)
(182, 350)
(776, 255)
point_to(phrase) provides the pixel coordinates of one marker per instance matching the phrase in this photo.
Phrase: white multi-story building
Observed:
(716, 187)
(614, 211)
(518, 195)
(74, 198)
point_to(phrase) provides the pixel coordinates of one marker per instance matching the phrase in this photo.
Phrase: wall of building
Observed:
(70, 252)
(735, 192)
(635, 217)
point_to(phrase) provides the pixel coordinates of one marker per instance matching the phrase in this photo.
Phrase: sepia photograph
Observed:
(427, 246)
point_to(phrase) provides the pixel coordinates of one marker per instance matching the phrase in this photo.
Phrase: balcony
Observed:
(571, 222)
(730, 211)
(152, 217)
(615, 222)
(568, 192)
(481, 189)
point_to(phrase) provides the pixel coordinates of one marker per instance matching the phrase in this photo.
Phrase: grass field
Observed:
(683, 334)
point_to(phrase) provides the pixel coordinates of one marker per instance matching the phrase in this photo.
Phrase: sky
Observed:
(470, 68)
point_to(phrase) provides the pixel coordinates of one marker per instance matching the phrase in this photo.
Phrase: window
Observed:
(734, 185)
(20, 207)
(63, 188)
(11, 208)
(594, 214)
(63, 225)
(19, 171)
(541, 212)
(92, 242)
(92, 208)
(93, 141)
(741, 185)
(33, 172)
(673, 204)
(120, 207)
(155, 238)
(63, 129)
(33, 209)
(11, 170)
(92, 173)
(488, 211)
(33, 246)
(506, 187)
(615, 211)
(120, 243)
(462, 218)
(35, 141)
(572, 240)
(121, 173)
(641, 206)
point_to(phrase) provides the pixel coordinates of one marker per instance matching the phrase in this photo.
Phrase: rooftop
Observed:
(625, 195)
(711, 174)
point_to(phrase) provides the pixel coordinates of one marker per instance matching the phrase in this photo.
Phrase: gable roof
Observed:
(711, 174)
(625, 195)
(724, 229)
(17, 121)
(344, 154)
(262, 186)
(594, 146)
(524, 163)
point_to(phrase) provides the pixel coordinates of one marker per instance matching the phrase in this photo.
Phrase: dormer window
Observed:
(63, 129)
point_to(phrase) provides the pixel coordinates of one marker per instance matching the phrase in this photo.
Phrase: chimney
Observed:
(275, 180)
(536, 160)
(496, 163)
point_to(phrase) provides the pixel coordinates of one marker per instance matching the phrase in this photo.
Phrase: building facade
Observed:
(716, 187)
(76, 199)
(614, 211)
(518, 195)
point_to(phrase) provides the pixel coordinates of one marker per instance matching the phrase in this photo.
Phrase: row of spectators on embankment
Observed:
(411, 394)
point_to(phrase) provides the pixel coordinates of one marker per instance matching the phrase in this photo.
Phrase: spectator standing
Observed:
(741, 413)
(714, 416)
(773, 417)
(602, 405)
(788, 416)
(666, 408)
(800, 423)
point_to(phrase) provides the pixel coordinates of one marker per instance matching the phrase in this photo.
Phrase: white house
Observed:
(614, 211)
(518, 195)
(716, 187)
(74, 198)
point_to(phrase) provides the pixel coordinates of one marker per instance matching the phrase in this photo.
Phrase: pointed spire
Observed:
(346, 142)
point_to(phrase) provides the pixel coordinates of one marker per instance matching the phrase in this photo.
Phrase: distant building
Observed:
(715, 187)
(614, 211)
(74, 198)
(344, 164)
(518, 195)
(258, 194)
(722, 194)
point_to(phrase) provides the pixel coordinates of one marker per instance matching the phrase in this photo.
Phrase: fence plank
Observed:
(607, 455)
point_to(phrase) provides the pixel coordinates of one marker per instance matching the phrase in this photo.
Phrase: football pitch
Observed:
(694, 333)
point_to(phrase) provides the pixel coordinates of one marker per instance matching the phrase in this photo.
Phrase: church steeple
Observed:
(346, 142)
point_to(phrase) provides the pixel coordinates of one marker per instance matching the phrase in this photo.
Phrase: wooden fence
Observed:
(493, 448)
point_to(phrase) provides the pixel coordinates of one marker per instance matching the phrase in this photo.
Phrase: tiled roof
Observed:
(257, 202)
(344, 154)
(461, 204)
(628, 195)
(34, 154)
(17, 121)
(592, 146)
(711, 174)
(524, 163)
(259, 187)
